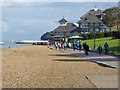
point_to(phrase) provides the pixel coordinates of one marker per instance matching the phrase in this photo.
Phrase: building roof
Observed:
(98, 12)
(76, 29)
(59, 29)
(90, 18)
(64, 28)
(62, 20)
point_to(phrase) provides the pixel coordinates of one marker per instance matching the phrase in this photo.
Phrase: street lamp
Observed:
(94, 38)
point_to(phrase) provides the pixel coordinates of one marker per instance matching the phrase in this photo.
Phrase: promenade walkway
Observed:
(111, 61)
(100, 81)
(102, 59)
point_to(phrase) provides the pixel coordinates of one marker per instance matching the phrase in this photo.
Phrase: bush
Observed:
(85, 36)
(108, 34)
(91, 35)
(116, 34)
(101, 35)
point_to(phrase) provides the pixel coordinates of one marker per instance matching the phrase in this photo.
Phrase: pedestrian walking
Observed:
(100, 49)
(106, 47)
(69, 45)
(80, 46)
(74, 46)
(86, 49)
(65, 45)
(84, 44)
(77, 44)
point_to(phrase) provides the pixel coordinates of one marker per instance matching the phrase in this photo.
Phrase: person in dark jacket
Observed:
(80, 46)
(84, 44)
(106, 47)
(100, 49)
(86, 49)
(74, 46)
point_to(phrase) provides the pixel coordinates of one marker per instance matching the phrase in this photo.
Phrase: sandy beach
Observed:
(41, 67)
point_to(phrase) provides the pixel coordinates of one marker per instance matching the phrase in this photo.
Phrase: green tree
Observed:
(110, 17)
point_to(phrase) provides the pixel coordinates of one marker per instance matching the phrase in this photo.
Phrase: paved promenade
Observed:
(111, 61)
(99, 81)
(102, 59)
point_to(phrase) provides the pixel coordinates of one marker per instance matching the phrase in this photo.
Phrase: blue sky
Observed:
(29, 20)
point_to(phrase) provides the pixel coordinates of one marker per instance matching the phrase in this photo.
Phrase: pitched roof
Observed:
(73, 26)
(59, 29)
(62, 20)
(76, 29)
(90, 18)
(98, 12)
(62, 28)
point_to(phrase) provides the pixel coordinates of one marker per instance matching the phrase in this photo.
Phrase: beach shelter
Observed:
(75, 38)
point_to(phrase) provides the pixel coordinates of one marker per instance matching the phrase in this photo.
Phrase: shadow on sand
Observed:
(64, 55)
(70, 60)
(78, 60)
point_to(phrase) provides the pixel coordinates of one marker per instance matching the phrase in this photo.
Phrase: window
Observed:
(91, 24)
(103, 25)
(61, 33)
(84, 25)
(62, 22)
(97, 29)
(75, 33)
(82, 30)
(68, 33)
(57, 33)
(103, 30)
(86, 30)
(86, 19)
(91, 29)
(108, 29)
(96, 24)
(68, 28)
(114, 28)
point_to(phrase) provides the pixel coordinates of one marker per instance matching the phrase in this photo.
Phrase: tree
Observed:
(110, 17)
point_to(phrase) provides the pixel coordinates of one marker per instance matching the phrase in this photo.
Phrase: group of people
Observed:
(64, 45)
(105, 46)
(78, 46)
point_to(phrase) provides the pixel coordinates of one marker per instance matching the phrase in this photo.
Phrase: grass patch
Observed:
(114, 45)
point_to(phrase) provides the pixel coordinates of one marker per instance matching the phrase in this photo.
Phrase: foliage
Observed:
(85, 36)
(110, 17)
(113, 44)
(115, 34)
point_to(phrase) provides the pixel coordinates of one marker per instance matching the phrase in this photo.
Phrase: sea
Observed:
(12, 44)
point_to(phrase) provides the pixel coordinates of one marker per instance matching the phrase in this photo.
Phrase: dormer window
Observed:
(86, 19)
(62, 22)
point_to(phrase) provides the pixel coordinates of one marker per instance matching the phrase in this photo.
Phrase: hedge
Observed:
(115, 34)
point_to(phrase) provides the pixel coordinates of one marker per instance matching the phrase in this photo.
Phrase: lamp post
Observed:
(94, 38)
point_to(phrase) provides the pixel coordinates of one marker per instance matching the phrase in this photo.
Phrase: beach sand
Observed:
(41, 67)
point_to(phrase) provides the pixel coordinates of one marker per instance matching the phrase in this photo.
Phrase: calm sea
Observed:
(9, 44)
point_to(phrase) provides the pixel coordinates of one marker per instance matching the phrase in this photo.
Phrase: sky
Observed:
(25, 20)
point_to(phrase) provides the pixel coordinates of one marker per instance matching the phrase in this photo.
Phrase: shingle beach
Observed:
(41, 67)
